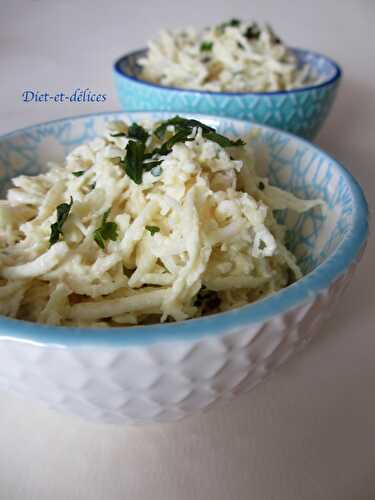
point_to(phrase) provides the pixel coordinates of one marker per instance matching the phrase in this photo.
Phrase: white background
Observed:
(308, 433)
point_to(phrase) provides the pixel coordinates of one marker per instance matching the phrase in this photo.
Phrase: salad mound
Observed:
(149, 223)
(233, 57)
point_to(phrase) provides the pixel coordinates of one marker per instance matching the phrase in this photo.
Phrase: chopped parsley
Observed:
(118, 134)
(179, 122)
(223, 141)
(262, 245)
(106, 231)
(206, 46)
(184, 127)
(182, 135)
(153, 229)
(252, 32)
(207, 299)
(138, 160)
(135, 131)
(234, 23)
(138, 132)
(78, 173)
(133, 161)
(56, 228)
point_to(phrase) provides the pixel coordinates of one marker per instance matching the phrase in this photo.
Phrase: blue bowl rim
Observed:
(299, 293)
(336, 76)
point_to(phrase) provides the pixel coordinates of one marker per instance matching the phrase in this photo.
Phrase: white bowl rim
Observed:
(300, 292)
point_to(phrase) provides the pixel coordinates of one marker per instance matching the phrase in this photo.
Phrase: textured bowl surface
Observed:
(166, 372)
(300, 111)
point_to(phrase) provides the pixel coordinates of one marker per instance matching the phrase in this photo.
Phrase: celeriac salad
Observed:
(149, 223)
(233, 57)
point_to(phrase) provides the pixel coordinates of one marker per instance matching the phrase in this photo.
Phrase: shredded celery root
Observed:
(145, 224)
(231, 57)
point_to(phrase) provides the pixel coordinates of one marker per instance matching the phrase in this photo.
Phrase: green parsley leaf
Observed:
(234, 23)
(153, 229)
(137, 132)
(56, 228)
(78, 173)
(207, 299)
(180, 122)
(181, 136)
(262, 245)
(118, 134)
(133, 161)
(107, 231)
(252, 32)
(206, 46)
(223, 141)
(137, 160)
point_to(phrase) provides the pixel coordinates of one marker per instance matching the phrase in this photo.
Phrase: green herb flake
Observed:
(107, 231)
(223, 141)
(78, 173)
(178, 122)
(56, 228)
(181, 136)
(133, 161)
(206, 46)
(137, 160)
(233, 23)
(118, 134)
(138, 132)
(262, 245)
(261, 186)
(252, 32)
(153, 229)
(207, 299)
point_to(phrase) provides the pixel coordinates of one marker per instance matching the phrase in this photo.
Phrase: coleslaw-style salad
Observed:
(149, 223)
(232, 57)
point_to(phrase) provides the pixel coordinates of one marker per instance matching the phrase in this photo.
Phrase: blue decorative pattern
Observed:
(301, 111)
(326, 242)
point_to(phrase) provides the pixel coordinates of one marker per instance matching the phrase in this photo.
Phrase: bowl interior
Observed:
(290, 163)
(321, 67)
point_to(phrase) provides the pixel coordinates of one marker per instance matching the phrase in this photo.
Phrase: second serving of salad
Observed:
(232, 57)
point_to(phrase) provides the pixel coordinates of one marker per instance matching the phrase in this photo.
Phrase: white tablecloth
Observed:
(305, 434)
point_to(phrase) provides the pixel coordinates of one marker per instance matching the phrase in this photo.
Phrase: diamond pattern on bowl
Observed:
(147, 381)
(302, 112)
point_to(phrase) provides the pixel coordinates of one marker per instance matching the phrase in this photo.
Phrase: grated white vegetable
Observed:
(211, 234)
(223, 58)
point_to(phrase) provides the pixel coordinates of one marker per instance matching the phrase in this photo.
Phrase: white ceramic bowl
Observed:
(166, 372)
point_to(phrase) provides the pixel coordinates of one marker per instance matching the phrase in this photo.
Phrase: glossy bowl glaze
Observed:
(300, 111)
(169, 371)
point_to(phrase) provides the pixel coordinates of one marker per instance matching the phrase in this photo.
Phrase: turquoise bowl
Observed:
(300, 111)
